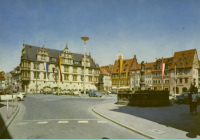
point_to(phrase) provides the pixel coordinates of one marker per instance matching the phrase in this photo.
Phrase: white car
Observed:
(171, 98)
(22, 92)
(9, 97)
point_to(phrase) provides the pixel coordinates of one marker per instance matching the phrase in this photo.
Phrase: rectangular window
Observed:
(166, 81)
(96, 79)
(90, 78)
(43, 57)
(138, 71)
(180, 80)
(74, 78)
(53, 59)
(180, 72)
(66, 69)
(90, 71)
(186, 72)
(25, 64)
(186, 80)
(66, 77)
(74, 70)
(44, 75)
(36, 66)
(133, 71)
(37, 75)
(63, 60)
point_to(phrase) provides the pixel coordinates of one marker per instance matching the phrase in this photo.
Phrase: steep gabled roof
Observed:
(184, 59)
(126, 65)
(103, 71)
(31, 54)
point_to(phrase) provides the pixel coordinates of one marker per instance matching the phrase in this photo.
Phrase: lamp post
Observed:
(84, 38)
(175, 78)
(37, 66)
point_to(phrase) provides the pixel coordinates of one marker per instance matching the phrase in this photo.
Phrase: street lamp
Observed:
(175, 78)
(37, 66)
(84, 38)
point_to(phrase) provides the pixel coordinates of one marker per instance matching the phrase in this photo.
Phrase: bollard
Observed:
(7, 109)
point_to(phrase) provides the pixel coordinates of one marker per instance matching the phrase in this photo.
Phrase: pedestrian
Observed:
(195, 101)
(190, 101)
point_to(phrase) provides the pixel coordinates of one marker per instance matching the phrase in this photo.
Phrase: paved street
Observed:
(66, 117)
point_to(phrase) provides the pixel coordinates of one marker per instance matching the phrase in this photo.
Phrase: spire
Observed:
(66, 46)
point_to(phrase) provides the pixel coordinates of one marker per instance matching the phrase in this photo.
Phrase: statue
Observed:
(142, 79)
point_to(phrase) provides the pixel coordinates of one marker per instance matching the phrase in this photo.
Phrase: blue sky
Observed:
(148, 29)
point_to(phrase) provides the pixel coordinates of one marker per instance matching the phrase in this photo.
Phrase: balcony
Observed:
(25, 68)
(25, 78)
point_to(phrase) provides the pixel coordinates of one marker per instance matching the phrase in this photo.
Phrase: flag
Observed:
(120, 60)
(59, 64)
(162, 65)
(47, 67)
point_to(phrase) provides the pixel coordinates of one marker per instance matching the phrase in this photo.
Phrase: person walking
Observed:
(195, 101)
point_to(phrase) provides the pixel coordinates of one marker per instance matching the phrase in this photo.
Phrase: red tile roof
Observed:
(184, 59)
(103, 71)
(126, 65)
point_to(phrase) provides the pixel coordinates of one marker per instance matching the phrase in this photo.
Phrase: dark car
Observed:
(86, 91)
(95, 93)
(183, 98)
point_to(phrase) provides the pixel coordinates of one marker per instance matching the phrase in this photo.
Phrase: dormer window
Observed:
(53, 59)
(124, 69)
(185, 59)
(76, 62)
(179, 59)
(124, 62)
(126, 65)
(181, 64)
(183, 55)
(186, 63)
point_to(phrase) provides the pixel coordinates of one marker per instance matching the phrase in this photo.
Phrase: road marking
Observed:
(42, 122)
(23, 123)
(102, 121)
(63, 121)
(82, 121)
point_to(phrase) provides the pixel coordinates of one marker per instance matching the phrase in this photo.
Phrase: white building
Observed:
(33, 69)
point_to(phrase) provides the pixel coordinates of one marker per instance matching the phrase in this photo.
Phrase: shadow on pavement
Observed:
(6, 134)
(176, 116)
(2, 105)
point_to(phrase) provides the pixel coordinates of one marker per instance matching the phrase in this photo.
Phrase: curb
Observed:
(132, 129)
(7, 124)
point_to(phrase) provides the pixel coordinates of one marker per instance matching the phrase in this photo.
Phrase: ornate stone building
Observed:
(33, 69)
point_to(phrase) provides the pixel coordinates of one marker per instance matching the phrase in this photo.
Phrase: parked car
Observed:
(86, 91)
(57, 91)
(22, 92)
(108, 92)
(66, 91)
(45, 90)
(95, 94)
(76, 92)
(113, 92)
(11, 96)
(183, 98)
(171, 99)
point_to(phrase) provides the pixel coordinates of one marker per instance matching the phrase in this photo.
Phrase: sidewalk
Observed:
(170, 122)
(4, 122)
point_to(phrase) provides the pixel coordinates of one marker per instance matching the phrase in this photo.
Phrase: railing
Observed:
(25, 68)
(25, 78)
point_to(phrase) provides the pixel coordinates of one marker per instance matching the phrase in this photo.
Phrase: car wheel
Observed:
(172, 101)
(19, 99)
(181, 101)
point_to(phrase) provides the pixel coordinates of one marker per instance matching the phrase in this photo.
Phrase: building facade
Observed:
(105, 79)
(40, 67)
(122, 81)
(2, 81)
